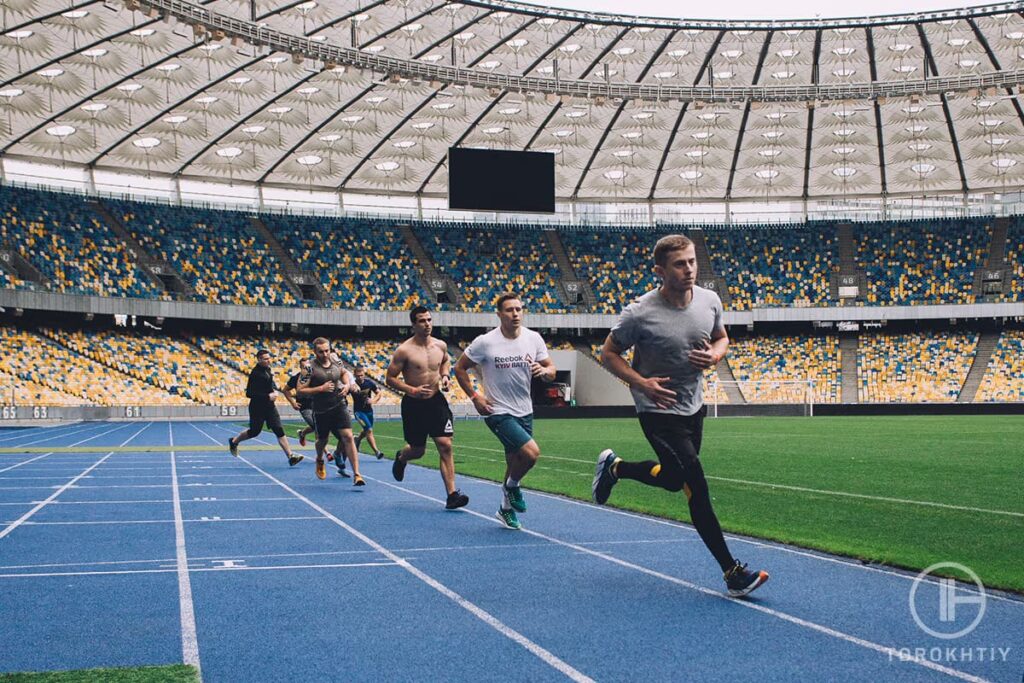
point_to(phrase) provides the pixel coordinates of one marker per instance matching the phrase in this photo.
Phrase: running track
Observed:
(146, 543)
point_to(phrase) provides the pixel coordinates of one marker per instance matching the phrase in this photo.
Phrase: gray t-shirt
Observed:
(662, 336)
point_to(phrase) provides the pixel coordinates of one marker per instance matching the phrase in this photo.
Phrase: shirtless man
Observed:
(423, 363)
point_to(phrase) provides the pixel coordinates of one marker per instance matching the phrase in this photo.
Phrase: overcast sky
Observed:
(749, 9)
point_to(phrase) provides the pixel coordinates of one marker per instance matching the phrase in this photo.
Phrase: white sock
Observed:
(505, 504)
(511, 483)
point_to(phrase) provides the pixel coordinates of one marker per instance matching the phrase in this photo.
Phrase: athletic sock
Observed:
(511, 483)
(645, 472)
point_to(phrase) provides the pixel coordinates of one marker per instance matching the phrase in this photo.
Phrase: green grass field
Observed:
(176, 673)
(848, 485)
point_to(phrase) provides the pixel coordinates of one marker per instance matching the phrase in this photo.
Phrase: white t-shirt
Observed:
(505, 366)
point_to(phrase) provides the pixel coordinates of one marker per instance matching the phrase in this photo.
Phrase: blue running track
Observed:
(138, 543)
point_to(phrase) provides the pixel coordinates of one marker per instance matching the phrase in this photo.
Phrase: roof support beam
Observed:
(618, 113)
(933, 69)
(815, 77)
(682, 112)
(746, 115)
(554, 46)
(316, 129)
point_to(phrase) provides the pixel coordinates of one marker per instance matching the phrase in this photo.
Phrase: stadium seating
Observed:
(775, 369)
(603, 257)
(39, 361)
(920, 367)
(772, 267)
(67, 242)
(1015, 260)
(486, 261)
(15, 391)
(921, 262)
(362, 264)
(1004, 376)
(216, 252)
(8, 281)
(172, 365)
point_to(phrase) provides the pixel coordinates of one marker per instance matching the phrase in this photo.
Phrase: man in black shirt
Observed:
(261, 392)
(303, 404)
(362, 406)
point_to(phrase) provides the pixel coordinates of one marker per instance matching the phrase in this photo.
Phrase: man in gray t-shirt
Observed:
(676, 333)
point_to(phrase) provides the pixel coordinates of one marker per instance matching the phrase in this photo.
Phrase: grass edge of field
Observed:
(171, 673)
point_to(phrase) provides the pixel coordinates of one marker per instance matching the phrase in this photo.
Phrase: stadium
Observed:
(185, 183)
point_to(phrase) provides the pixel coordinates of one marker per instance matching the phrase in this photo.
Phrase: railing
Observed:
(296, 45)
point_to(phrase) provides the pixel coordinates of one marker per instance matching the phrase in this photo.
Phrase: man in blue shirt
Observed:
(369, 395)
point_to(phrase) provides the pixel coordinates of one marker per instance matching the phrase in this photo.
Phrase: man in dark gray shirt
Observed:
(676, 332)
(327, 384)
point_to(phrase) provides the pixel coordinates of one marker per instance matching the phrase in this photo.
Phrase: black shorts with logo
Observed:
(332, 421)
(423, 417)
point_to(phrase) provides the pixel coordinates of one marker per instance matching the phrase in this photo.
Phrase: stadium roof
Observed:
(367, 96)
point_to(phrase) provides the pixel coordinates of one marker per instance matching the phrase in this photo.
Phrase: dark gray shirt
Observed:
(319, 375)
(662, 336)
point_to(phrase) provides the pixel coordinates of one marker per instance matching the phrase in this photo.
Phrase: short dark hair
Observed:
(507, 296)
(414, 313)
(260, 352)
(667, 244)
(359, 368)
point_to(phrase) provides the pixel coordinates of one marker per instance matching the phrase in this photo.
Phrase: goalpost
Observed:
(791, 396)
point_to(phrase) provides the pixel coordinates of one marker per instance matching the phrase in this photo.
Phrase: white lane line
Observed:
(21, 520)
(544, 655)
(350, 565)
(768, 545)
(765, 484)
(891, 652)
(886, 499)
(38, 457)
(114, 522)
(259, 439)
(30, 438)
(189, 640)
(193, 426)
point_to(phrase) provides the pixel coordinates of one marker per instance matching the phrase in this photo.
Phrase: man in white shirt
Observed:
(509, 357)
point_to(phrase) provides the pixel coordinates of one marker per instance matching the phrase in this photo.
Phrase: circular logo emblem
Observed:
(943, 612)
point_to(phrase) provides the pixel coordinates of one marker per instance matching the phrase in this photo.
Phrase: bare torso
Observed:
(421, 363)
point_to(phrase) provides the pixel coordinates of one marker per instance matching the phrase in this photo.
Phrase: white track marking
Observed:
(21, 520)
(71, 429)
(350, 565)
(189, 640)
(115, 522)
(891, 652)
(770, 545)
(38, 457)
(544, 655)
(886, 499)
(766, 484)
(193, 426)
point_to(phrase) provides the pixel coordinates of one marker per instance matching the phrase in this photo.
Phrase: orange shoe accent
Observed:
(656, 470)
(321, 469)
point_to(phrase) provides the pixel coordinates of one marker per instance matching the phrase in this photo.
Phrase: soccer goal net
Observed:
(787, 397)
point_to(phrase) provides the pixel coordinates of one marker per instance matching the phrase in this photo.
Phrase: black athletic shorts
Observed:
(332, 421)
(674, 438)
(264, 411)
(423, 417)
